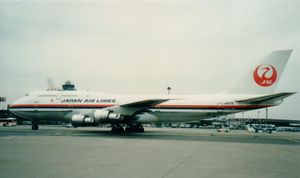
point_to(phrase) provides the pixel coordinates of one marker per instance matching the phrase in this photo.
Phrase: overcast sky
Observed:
(130, 47)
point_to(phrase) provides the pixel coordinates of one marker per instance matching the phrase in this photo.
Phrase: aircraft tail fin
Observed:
(51, 86)
(263, 78)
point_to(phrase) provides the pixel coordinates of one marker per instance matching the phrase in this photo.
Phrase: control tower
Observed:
(68, 86)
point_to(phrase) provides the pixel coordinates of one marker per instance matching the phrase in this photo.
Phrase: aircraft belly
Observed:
(42, 115)
(47, 115)
(185, 116)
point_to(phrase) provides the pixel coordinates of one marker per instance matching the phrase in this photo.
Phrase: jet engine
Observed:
(102, 116)
(145, 118)
(82, 120)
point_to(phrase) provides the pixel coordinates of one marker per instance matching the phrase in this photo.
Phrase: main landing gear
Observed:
(129, 129)
(34, 125)
(135, 128)
(117, 129)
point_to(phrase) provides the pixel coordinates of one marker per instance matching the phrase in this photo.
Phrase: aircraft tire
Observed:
(117, 129)
(35, 127)
(141, 130)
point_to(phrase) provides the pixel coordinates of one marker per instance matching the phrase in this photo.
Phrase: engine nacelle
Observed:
(103, 116)
(146, 118)
(82, 120)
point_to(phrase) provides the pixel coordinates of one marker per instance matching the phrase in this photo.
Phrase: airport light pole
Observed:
(243, 120)
(169, 90)
(258, 119)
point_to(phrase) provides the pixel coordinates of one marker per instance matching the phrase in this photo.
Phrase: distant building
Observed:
(68, 86)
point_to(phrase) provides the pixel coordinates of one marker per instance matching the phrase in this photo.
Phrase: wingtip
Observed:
(288, 50)
(284, 51)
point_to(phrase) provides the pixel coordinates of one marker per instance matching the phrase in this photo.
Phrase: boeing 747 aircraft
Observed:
(83, 108)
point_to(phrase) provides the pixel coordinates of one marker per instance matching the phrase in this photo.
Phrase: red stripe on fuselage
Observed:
(58, 105)
(213, 106)
(173, 106)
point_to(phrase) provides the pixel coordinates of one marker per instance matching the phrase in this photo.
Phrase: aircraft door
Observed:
(157, 108)
(220, 107)
(70, 107)
(35, 105)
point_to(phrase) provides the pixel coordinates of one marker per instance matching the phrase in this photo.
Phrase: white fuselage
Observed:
(92, 108)
(62, 105)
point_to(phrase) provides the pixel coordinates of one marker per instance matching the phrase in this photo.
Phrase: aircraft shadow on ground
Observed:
(153, 135)
(213, 137)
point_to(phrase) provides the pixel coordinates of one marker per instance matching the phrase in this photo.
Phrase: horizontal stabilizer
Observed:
(267, 98)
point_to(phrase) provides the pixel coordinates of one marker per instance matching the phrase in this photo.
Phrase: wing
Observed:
(145, 103)
(133, 107)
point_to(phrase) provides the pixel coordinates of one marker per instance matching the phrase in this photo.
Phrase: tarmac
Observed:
(56, 151)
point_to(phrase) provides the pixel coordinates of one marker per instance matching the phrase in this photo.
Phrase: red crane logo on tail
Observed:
(265, 75)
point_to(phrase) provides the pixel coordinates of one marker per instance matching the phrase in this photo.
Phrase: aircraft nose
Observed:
(15, 107)
(12, 110)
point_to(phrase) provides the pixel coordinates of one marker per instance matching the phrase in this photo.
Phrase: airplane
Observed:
(128, 113)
